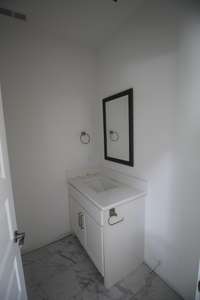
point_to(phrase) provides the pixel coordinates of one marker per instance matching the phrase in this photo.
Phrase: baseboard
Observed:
(60, 237)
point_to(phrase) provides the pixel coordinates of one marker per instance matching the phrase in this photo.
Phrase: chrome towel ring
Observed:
(85, 137)
(114, 135)
(114, 223)
(112, 213)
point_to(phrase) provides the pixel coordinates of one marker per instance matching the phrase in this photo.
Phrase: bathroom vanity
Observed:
(107, 216)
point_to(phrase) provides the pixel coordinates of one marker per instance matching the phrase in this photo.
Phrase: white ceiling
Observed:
(89, 22)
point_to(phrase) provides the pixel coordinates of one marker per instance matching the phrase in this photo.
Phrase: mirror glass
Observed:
(118, 127)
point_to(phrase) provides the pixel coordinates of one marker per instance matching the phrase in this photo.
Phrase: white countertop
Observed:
(107, 199)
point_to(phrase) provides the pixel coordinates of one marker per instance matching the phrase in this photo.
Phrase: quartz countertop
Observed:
(106, 199)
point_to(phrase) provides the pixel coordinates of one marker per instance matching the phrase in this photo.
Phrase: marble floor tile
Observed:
(63, 271)
(157, 289)
(136, 280)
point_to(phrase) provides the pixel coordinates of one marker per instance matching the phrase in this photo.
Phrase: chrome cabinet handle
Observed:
(80, 220)
(82, 224)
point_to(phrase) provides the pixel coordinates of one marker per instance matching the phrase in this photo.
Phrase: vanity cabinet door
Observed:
(94, 242)
(78, 220)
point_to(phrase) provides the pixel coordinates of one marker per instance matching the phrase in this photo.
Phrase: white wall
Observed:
(185, 220)
(149, 55)
(48, 88)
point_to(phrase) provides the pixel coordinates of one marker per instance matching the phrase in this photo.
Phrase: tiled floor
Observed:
(63, 271)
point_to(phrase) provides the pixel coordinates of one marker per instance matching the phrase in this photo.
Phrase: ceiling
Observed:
(89, 22)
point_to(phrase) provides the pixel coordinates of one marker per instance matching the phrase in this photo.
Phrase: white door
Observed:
(12, 285)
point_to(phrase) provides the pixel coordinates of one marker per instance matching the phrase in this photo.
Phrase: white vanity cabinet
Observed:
(109, 225)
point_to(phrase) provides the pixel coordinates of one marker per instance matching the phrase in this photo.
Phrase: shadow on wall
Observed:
(152, 31)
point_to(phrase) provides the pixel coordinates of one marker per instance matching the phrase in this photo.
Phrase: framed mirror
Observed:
(118, 128)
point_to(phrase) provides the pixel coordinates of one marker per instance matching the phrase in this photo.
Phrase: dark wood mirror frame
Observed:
(128, 93)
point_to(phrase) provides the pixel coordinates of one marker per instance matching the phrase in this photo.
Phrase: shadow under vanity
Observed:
(107, 216)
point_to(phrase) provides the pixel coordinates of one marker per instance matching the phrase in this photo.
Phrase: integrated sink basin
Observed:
(101, 184)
